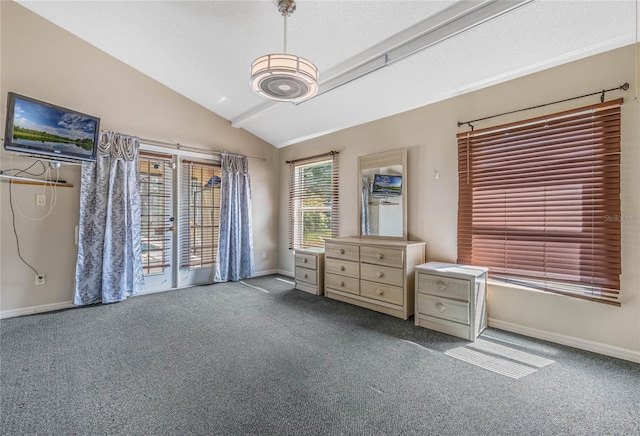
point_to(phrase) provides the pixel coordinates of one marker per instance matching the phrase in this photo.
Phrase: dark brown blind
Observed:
(313, 200)
(539, 202)
(199, 214)
(155, 211)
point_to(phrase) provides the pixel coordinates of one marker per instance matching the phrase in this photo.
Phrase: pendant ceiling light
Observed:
(282, 76)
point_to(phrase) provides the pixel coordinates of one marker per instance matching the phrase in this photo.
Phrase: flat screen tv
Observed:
(44, 129)
(385, 185)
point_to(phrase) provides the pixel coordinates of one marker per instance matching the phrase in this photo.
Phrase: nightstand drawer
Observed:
(445, 326)
(343, 268)
(382, 274)
(443, 286)
(342, 251)
(306, 275)
(445, 308)
(378, 291)
(344, 284)
(306, 260)
(382, 256)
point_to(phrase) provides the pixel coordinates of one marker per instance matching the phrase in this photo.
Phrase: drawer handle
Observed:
(306, 275)
(442, 285)
(380, 274)
(441, 307)
(341, 283)
(341, 267)
(379, 256)
(305, 260)
(342, 251)
(379, 292)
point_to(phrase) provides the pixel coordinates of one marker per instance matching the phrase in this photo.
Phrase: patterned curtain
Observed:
(234, 260)
(365, 205)
(109, 266)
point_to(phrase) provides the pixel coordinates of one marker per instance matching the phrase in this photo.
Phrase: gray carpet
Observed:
(230, 359)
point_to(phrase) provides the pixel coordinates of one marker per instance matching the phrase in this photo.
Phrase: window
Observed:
(199, 214)
(155, 211)
(313, 200)
(539, 202)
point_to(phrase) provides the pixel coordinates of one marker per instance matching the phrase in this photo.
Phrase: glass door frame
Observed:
(181, 277)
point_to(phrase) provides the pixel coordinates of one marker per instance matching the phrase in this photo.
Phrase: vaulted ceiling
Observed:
(414, 52)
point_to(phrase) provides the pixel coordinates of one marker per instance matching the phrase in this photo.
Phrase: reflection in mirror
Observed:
(382, 195)
(382, 201)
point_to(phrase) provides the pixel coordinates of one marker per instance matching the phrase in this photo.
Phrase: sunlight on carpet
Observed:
(510, 353)
(255, 287)
(491, 363)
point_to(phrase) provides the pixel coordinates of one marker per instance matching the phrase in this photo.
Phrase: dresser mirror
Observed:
(383, 200)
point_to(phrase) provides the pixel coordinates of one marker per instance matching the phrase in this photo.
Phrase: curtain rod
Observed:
(622, 87)
(331, 153)
(179, 146)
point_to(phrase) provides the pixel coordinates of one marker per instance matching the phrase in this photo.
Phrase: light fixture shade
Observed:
(284, 77)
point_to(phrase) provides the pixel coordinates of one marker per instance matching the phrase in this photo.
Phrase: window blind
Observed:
(199, 213)
(155, 177)
(313, 200)
(539, 202)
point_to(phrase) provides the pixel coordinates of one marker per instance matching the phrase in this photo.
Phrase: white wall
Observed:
(40, 60)
(429, 134)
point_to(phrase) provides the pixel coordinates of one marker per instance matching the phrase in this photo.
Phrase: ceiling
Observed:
(203, 50)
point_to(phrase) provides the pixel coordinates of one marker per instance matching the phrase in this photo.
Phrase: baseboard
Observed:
(286, 273)
(582, 344)
(36, 309)
(267, 272)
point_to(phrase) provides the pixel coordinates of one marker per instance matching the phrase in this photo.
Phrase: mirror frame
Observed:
(378, 160)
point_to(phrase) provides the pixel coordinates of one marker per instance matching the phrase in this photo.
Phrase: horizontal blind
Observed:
(199, 213)
(539, 202)
(155, 177)
(313, 200)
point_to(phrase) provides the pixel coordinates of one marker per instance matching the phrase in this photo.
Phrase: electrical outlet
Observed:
(40, 280)
(264, 254)
(41, 200)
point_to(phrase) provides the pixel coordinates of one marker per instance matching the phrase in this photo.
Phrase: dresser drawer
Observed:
(382, 256)
(445, 308)
(344, 284)
(343, 267)
(443, 286)
(379, 291)
(342, 251)
(306, 260)
(382, 274)
(307, 275)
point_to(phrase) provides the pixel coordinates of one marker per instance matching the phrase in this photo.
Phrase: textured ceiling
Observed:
(203, 50)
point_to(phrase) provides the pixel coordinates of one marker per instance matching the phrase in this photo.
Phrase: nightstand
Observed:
(451, 299)
(309, 270)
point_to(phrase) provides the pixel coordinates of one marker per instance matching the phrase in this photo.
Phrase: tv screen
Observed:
(44, 129)
(386, 185)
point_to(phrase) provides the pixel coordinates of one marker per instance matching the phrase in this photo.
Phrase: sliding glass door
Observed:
(180, 212)
(199, 219)
(157, 220)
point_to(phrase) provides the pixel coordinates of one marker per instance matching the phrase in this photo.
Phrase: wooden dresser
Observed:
(309, 265)
(452, 299)
(371, 273)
